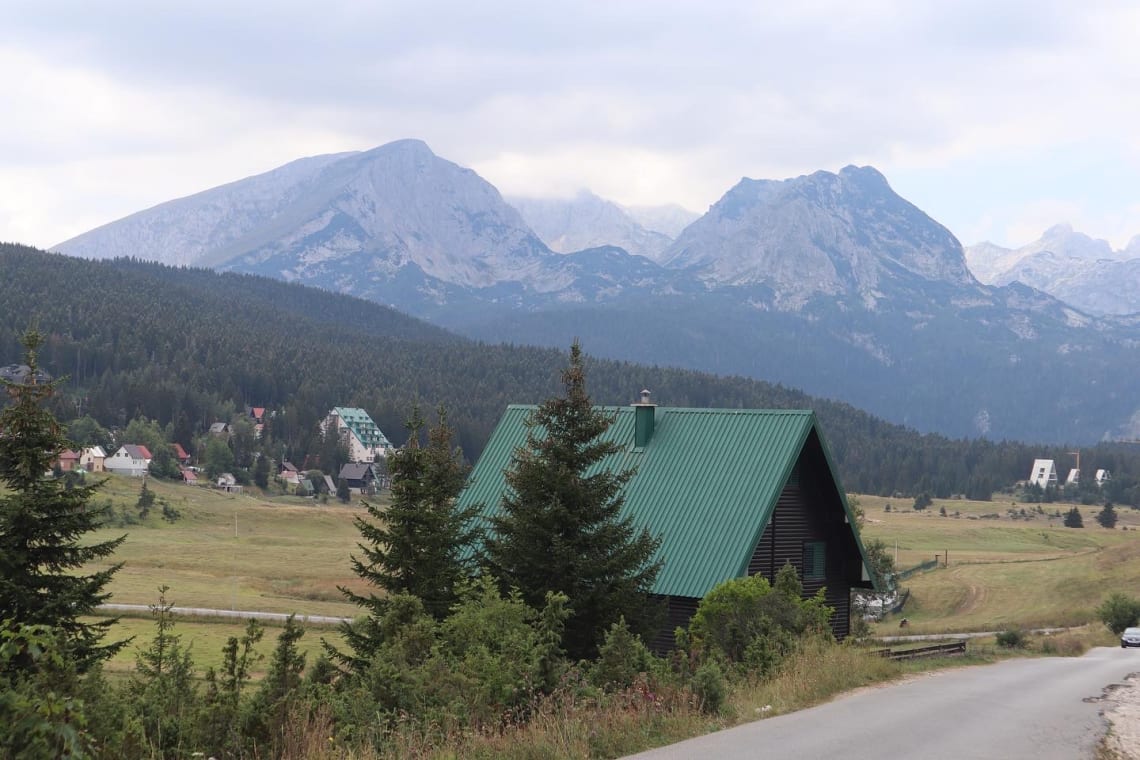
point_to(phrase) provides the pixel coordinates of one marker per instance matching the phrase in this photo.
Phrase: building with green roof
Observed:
(730, 492)
(360, 435)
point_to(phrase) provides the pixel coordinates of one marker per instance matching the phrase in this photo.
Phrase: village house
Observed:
(360, 477)
(92, 458)
(359, 434)
(130, 459)
(68, 460)
(1102, 477)
(180, 454)
(730, 493)
(228, 483)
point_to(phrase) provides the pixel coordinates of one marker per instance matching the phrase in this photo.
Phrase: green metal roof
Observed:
(361, 424)
(706, 483)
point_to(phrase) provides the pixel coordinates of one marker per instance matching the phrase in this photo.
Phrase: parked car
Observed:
(1130, 637)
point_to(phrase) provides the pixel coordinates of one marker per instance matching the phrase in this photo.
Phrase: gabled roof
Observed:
(179, 452)
(69, 455)
(707, 483)
(137, 452)
(356, 470)
(95, 451)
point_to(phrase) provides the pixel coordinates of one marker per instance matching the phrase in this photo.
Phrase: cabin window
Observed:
(815, 560)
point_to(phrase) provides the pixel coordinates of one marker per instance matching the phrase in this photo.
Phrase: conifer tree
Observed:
(417, 545)
(43, 525)
(560, 527)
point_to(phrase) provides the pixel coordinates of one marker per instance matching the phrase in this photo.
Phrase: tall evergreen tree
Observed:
(43, 524)
(560, 527)
(418, 544)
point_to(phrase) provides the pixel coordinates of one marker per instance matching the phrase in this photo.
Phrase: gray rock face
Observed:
(819, 234)
(187, 230)
(1075, 268)
(587, 221)
(375, 213)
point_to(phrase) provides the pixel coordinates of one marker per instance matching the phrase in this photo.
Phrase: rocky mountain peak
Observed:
(824, 233)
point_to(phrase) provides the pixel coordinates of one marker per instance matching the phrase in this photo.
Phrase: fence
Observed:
(929, 564)
(932, 650)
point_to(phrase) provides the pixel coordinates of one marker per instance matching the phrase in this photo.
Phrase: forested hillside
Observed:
(186, 347)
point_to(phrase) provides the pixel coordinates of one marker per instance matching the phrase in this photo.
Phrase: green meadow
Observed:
(287, 554)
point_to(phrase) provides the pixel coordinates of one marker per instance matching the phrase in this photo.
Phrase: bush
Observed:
(621, 659)
(750, 623)
(1118, 612)
(1012, 639)
(709, 687)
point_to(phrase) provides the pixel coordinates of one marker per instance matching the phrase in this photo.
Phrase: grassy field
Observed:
(289, 555)
(1004, 572)
(234, 551)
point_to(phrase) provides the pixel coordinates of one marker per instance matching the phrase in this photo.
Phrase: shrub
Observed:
(621, 659)
(1118, 612)
(753, 624)
(709, 687)
(1011, 639)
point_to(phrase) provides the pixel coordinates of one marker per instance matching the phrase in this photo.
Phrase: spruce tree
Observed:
(43, 525)
(560, 527)
(1107, 516)
(418, 544)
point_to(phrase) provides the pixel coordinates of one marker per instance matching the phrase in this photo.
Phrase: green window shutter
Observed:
(815, 560)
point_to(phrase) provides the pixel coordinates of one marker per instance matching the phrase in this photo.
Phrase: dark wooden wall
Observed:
(809, 509)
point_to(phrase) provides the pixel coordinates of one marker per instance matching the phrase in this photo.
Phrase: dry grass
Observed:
(1004, 573)
(640, 719)
(235, 551)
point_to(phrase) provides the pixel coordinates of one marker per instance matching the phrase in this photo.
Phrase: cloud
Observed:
(644, 102)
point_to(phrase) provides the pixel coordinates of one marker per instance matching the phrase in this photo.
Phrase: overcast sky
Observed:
(998, 119)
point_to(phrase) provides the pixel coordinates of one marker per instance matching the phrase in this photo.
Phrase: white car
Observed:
(1130, 637)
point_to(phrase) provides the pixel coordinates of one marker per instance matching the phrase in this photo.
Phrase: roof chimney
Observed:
(643, 412)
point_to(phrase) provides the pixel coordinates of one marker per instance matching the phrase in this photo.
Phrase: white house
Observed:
(1102, 477)
(129, 460)
(1074, 477)
(92, 459)
(1044, 473)
(359, 433)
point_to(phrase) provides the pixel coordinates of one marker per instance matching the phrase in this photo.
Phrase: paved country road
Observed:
(1039, 708)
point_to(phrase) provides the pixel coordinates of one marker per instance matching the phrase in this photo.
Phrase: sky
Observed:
(998, 119)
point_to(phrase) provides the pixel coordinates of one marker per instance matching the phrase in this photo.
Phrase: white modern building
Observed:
(1044, 473)
(360, 435)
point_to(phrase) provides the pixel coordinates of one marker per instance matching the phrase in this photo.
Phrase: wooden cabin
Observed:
(730, 492)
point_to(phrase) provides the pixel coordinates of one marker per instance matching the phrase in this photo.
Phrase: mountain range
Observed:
(1073, 267)
(828, 282)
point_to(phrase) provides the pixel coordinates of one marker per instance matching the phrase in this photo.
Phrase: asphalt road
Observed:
(1039, 708)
